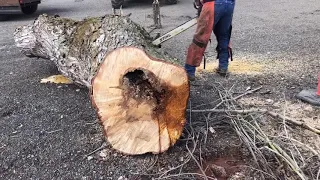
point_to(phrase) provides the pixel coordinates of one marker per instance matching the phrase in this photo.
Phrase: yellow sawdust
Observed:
(236, 66)
(57, 79)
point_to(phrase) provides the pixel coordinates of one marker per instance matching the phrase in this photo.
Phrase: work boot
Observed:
(117, 11)
(222, 72)
(191, 77)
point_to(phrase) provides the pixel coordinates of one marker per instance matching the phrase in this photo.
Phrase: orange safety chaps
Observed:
(202, 35)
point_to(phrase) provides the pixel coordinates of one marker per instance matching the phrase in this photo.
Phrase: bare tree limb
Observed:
(273, 114)
(223, 101)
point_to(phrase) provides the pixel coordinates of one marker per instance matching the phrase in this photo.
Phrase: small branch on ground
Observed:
(247, 92)
(104, 145)
(295, 122)
(50, 132)
(273, 114)
(224, 100)
(246, 124)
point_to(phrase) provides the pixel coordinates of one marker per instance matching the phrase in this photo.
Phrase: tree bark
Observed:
(140, 93)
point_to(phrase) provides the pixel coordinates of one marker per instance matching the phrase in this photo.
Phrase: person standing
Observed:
(216, 16)
(117, 6)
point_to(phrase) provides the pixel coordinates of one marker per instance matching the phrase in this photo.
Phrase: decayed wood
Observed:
(139, 92)
(145, 110)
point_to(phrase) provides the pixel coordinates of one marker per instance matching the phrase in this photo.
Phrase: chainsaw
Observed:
(197, 5)
(175, 31)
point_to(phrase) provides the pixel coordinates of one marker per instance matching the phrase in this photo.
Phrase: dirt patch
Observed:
(224, 167)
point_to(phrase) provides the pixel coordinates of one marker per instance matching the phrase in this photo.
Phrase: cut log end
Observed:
(141, 101)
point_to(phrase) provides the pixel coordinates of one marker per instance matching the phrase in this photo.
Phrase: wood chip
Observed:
(56, 79)
(212, 130)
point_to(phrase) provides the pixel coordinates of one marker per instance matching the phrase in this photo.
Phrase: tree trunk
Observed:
(139, 92)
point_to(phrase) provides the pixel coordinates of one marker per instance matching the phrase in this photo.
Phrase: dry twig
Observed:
(251, 133)
(225, 100)
(104, 145)
(273, 114)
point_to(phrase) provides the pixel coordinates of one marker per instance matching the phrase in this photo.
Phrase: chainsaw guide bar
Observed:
(175, 32)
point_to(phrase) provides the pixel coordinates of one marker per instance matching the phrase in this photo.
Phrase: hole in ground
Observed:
(224, 166)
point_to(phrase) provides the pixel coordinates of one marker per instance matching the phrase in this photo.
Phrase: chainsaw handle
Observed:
(197, 4)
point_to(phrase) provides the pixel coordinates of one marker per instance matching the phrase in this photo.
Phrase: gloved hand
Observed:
(197, 4)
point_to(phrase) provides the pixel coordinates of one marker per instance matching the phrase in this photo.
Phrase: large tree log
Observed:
(139, 92)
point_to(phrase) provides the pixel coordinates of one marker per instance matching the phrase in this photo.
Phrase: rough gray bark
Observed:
(78, 47)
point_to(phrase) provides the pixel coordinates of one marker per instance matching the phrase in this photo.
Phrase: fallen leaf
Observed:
(269, 101)
(181, 159)
(122, 178)
(102, 154)
(212, 130)
(57, 79)
(89, 158)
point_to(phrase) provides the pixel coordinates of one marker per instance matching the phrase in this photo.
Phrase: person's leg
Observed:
(218, 12)
(223, 30)
(200, 39)
(116, 4)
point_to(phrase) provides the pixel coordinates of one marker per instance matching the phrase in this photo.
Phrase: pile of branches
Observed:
(276, 156)
(294, 159)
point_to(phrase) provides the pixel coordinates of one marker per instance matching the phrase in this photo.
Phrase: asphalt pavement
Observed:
(46, 129)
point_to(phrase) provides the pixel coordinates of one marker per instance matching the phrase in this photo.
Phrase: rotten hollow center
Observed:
(144, 94)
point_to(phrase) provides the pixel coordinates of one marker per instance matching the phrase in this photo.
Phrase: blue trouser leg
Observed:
(223, 20)
(191, 70)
